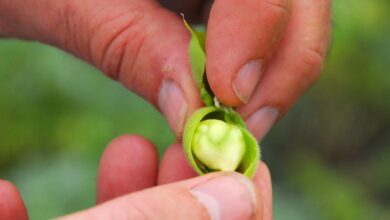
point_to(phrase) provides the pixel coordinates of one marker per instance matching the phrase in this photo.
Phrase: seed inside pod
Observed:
(218, 145)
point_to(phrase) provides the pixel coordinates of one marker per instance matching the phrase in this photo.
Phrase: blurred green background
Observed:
(330, 156)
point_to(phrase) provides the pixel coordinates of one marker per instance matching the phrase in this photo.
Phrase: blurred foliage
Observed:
(330, 156)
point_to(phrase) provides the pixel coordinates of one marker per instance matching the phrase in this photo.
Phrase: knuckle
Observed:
(282, 6)
(67, 30)
(115, 38)
(311, 59)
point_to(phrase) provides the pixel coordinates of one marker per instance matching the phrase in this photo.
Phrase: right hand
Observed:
(262, 55)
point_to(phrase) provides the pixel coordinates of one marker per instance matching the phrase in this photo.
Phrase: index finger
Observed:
(242, 37)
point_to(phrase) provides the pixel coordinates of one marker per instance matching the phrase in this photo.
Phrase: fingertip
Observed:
(228, 195)
(297, 63)
(240, 45)
(173, 104)
(263, 184)
(263, 176)
(128, 164)
(220, 84)
(11, 203)
(260, 122)
(174, 166)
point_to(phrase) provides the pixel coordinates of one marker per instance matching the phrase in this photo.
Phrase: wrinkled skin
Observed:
(262, 55)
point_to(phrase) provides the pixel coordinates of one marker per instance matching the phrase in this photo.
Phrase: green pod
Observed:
(240, 152)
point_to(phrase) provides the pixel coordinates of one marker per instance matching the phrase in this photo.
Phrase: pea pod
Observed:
(247, 162)
(215, 137)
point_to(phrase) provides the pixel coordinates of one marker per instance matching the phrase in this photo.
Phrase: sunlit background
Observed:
(330, 156)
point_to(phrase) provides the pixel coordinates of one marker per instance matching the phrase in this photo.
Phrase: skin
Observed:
(144, 47)
(123, 189)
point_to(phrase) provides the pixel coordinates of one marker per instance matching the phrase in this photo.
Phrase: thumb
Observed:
(214, 196)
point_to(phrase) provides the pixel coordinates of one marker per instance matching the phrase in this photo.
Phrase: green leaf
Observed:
(201, 36)
(206, 97)
(198, 63)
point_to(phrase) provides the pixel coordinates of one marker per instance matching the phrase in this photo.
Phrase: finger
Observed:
(11, 203)
(242, 37)
(214, 196)
(148, 53)
(263, 184)
(174, 166)
(139, 43)
(128, 164)
(296, 66)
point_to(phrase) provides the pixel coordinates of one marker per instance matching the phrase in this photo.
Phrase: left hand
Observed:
(129, 166)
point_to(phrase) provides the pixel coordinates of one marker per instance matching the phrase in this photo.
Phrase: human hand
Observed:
(266, 54)
(128, 170)
(261, 54)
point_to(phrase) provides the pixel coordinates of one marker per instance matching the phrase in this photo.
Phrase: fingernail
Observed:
(230, 197)
(261, 121)
(173, 105)
(247, 79)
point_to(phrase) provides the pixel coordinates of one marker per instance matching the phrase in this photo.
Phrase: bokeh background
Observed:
(330, 156)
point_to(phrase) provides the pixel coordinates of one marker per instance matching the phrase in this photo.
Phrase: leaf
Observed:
(198, 63)
(206, 97)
